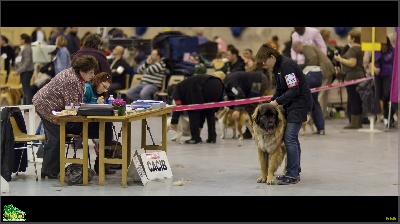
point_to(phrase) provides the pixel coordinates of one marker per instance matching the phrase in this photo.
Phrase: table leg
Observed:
(102, 171)
(143, 143)
(62, 151)
(125, 138)
(85, 151)
(164, 133)
(129, 143)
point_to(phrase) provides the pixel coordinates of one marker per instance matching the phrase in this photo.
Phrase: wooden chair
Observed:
(137, 78)
(12, 90)
(28, 140)
(126, 86)
(162, 94)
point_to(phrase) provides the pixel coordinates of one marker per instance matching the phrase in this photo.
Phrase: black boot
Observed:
(194, 141)
(247, 134)
(212, 135)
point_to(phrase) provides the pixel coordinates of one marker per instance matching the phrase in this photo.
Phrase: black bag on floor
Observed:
(74, 174)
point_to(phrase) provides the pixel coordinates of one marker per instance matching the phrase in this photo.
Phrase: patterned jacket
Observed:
(65, 88)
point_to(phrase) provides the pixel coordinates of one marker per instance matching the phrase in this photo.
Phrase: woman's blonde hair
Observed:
(61, 41)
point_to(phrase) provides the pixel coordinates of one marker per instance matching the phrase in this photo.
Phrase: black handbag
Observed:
(74, 174)
(96, 110)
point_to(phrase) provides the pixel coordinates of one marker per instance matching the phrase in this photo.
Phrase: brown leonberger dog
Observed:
(269, 128)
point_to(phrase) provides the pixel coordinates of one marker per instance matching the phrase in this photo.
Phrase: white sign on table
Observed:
(149, 166)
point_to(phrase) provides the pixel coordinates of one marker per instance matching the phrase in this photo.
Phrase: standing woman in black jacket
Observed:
(293, 93)
(198, 89)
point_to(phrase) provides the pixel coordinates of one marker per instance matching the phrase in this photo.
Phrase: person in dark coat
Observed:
(293, 93)
(119, 68)
(242, 85)
(91, 46)
(236, 63)
(8, 54)
(198, 89)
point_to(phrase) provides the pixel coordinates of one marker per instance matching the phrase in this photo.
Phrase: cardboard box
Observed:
(380, 35)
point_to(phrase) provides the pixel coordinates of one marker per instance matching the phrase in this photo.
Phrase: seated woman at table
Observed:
(66, 88)
(96, 93)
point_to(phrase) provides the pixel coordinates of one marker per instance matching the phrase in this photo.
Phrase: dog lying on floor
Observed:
(182, 128)
(226, 122)
(308, 122)
(269, 128)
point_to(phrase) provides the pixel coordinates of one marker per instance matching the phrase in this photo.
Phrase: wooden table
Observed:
(84, 160)
(126, 138)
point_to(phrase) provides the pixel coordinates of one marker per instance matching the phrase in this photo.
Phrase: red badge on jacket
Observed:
(291, 80)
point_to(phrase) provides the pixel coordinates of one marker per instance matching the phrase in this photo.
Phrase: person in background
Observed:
(92, 46)
(352, 65)
(119, 70)
(96, 93)
(153, 70)
(236, 63)
(38, 35)
(307, 35)
(83, 38)
(221, 43)
(293, 93)
(220, 62)
(288, 47)
(7, 53)
(248, 59)
(198, 89)
(63, 59)
(73, 42)
(274, 42)
(319, 69)
(57, 31)
(315, 57)
(64, 89)
(26, 67)
(383, 79)
(241, 85)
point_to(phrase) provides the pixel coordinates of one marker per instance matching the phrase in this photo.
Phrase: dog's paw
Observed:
(262, 179)
(173, 139)
(302, 132)
(222, 137)
(270, 180)
(240, 138)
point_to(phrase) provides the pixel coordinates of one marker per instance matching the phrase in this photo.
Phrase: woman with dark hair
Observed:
(96, 90)
(26, 67)
(293, 93)
(64, 89)
(383, 78)
(91, 46)
(96, 93)
(353, 68)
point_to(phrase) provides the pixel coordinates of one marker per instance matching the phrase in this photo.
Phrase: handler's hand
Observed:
(274, 103)
(173, 126)
(235, 115)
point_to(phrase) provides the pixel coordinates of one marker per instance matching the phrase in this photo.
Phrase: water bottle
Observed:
(110, 99)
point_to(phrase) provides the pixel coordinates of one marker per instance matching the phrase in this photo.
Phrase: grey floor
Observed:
(340, 163)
